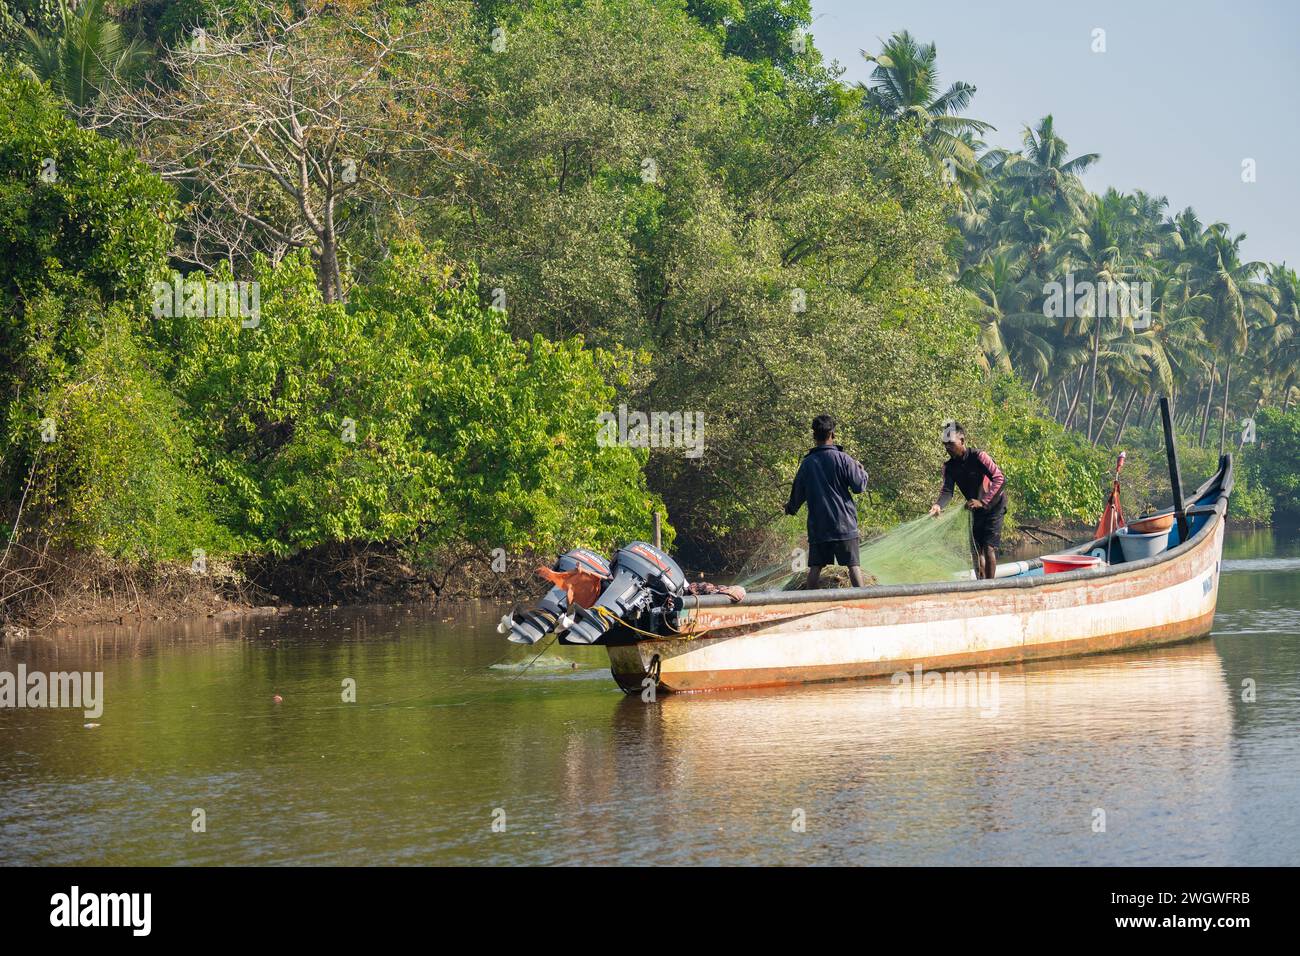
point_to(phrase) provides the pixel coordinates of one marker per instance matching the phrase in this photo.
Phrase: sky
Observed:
(1183, 94)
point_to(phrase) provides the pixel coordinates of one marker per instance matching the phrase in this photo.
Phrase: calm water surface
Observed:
(439, 740)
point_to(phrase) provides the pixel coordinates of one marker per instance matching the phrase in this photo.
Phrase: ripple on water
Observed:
(1258, 620)
(1260, 565)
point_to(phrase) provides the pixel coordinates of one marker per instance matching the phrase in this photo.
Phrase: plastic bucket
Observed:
(1138, 546)
(1059, 563)
(1151, 525)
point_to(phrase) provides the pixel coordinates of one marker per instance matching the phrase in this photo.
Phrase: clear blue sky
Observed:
(1184, 92)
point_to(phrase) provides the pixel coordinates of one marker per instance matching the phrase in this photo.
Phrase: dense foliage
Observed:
(409, 415)
(474, 228)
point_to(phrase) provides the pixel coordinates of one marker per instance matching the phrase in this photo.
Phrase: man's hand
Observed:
(934, 511)
(974, 503)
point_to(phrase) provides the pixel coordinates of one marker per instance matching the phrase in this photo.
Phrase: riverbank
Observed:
(67, 589)
(42, 588)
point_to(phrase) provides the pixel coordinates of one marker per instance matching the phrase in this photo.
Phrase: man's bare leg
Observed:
(855, 576)
(814, 578)
(990, 562)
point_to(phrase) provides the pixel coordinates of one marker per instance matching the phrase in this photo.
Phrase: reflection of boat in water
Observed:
(1084, 700)
(778, 637)
(1148, 736)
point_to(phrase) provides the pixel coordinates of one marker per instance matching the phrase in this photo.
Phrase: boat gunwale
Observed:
(1222, 478)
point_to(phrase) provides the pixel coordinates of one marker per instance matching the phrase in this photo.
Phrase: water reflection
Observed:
(1190, 751)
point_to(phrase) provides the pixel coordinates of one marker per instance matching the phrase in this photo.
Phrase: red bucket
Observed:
(1057, 563)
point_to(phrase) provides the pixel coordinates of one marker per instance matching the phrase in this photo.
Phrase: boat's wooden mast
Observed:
(1175, 475)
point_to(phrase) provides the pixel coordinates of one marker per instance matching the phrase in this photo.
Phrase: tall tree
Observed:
(1044, 169)
(905, 86)
(1240, 299)
(293, 132)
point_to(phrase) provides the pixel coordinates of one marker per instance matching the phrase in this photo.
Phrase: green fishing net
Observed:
(923, 549)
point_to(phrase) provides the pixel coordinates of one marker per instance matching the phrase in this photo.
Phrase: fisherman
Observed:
(827, 480)
(981, 480)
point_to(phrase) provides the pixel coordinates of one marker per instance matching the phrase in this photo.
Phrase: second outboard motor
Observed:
(646, 591)
(531, 625)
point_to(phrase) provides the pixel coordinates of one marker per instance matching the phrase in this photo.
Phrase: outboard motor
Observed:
(530, 626)
(646, 592)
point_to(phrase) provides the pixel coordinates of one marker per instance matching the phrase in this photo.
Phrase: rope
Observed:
(608, 616)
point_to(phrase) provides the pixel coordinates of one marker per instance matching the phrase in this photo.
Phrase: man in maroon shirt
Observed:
(981, 481)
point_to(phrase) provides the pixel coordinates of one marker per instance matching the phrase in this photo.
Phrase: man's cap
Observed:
(950, 432)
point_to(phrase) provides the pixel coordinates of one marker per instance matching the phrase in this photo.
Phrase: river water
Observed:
(453, 754)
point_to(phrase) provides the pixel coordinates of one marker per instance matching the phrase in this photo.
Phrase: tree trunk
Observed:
(328, 272)
(1092, 385)
(1101, 429)
(1209, 398)
(1078, 393)
(1123, 419)
(1223, 424)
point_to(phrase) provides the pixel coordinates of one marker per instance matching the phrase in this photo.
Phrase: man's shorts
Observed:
(844, 553)
(986, 525)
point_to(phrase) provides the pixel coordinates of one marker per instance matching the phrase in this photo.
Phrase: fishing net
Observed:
(772, 563)
(924, 549)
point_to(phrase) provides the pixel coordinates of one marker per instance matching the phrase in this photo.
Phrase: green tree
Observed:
(411, 414)
(1277, 458)
(85, 55)
(85, 225)
(1042, 166)
(905, 86)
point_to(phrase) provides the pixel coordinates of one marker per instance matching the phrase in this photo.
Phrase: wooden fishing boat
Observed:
(787, 637)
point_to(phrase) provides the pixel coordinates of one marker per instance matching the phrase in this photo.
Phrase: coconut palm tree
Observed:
(1286, 355)
(1097, 250)
(86, 55)
(1042, 168)
(905, 86)
(1239, 300)
(1003, 298)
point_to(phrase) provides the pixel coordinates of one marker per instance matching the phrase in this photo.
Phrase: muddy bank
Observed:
(50, 588)
(43, 589)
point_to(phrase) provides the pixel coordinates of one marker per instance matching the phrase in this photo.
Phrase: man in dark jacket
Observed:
(827, 480)
(982, 483)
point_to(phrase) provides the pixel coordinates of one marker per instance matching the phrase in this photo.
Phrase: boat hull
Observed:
(1159, 601)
